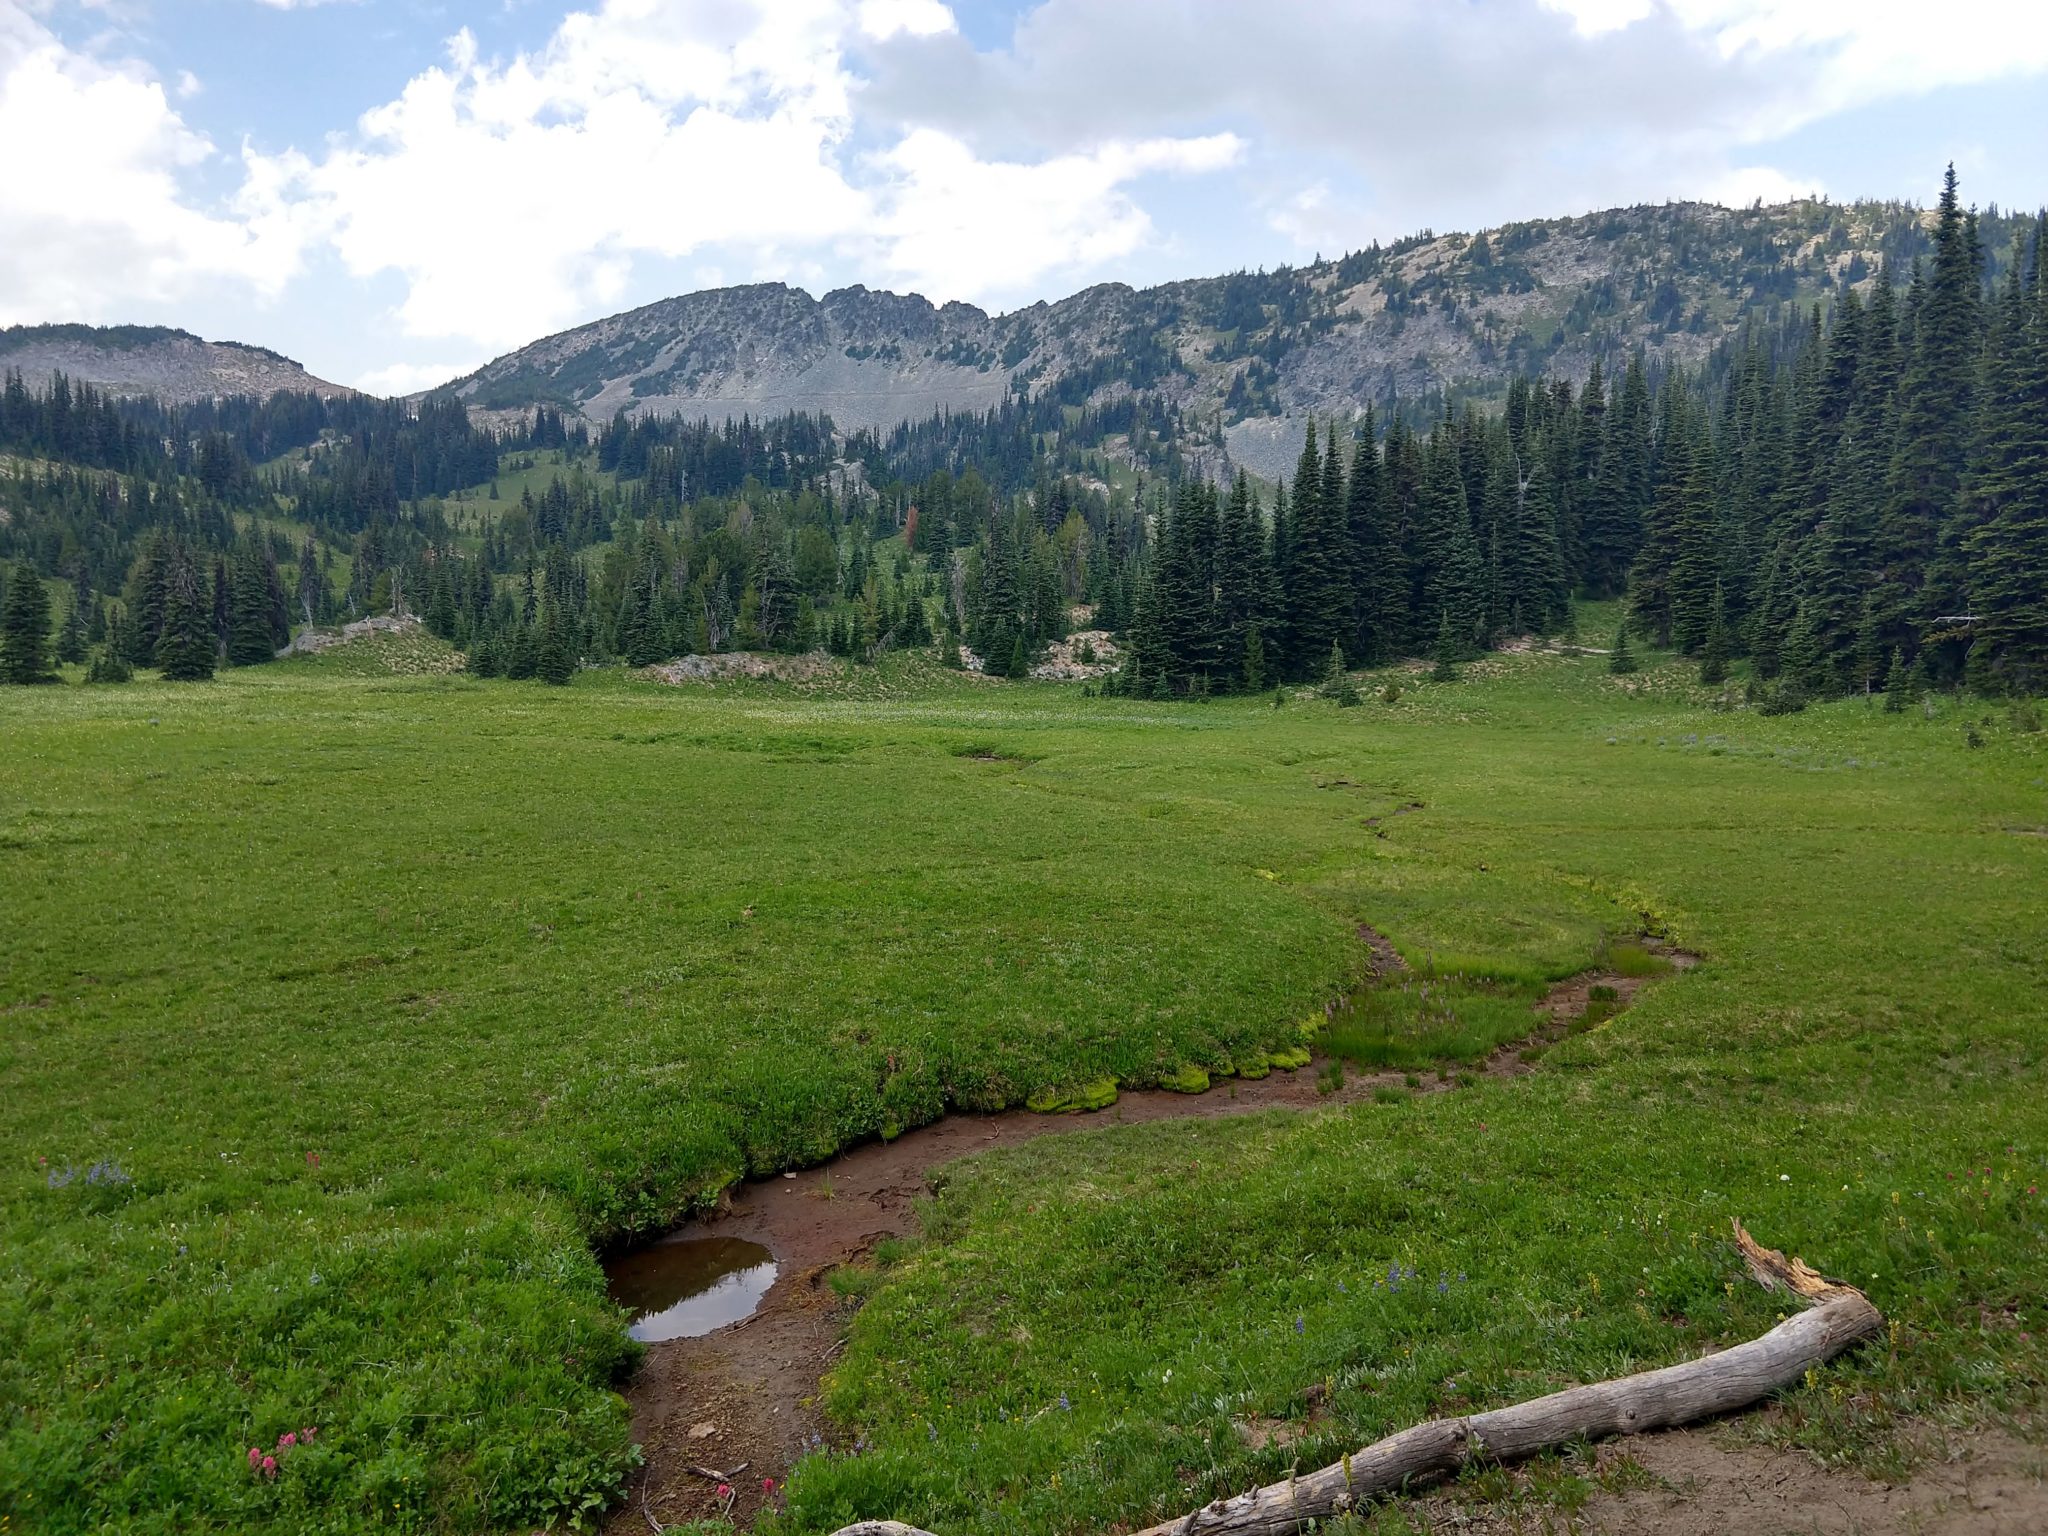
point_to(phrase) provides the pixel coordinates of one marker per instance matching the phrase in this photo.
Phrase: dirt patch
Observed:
(1570, 1005)
(755, 1383)
(1386, 960)
(725, 665)
(1400, 810)
(1990, 1485)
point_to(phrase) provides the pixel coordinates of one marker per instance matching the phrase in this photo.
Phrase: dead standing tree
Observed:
(1835, 1318)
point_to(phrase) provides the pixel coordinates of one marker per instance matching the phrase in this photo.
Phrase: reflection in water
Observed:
(689, 1286)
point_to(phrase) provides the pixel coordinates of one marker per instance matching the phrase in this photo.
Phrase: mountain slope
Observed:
(176, 367)
(1247, 355)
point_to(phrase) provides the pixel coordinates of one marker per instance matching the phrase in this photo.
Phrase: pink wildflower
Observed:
(767, 1485)
(270, 1466)
(725, 1490)
(306, 1434)
(287, 1440)
(255, 1457)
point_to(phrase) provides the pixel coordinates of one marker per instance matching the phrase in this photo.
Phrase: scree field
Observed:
(344, 1017)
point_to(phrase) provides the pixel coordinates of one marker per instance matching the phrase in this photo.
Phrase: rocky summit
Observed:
(172, 366)
(1250, 355)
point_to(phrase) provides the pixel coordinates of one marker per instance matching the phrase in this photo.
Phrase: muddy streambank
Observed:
(738, 1405)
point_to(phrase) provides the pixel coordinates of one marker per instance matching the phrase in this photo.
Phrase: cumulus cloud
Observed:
(947, 213)
(411, 378)
(1418, 112)
(514, 197)
(828, 141)
(95, 212)
(882, 19)
(1862, 49)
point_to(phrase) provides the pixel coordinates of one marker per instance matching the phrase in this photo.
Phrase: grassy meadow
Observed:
(343, 1014)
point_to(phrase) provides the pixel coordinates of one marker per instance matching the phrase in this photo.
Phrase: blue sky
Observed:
(393, 193)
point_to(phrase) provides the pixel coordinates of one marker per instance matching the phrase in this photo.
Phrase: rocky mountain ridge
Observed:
(1248, 356)
(174, 366)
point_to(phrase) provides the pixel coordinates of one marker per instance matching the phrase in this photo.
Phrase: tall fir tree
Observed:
(25, 628)
(185, 646)
(2004, 511)
(1937, 392)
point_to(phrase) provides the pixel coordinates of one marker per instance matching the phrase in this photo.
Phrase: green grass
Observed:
(1855, 1072)
(390, 996)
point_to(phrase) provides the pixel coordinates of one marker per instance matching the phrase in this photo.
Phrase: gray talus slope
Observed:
(174, 366)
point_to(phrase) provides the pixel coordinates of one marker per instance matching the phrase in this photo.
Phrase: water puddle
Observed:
(689, 1286)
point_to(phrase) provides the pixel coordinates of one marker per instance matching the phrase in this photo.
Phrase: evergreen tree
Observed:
(1319, 569)
(1379, 578)
(1719, 642)
(25, 629)
(1621, 660)
(109, 665)
(249, 633)
(1453, 581)
(2005, 508)
(185, 648)
(1936, 395)
(521, 653)
(1447, 652)
(1898, 684)
(1611, 527)
(71, 633)
(555, 654)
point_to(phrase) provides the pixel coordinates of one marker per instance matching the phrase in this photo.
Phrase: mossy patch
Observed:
(1098, 1093)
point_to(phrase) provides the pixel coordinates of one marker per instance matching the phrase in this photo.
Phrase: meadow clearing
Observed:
(345, 1015)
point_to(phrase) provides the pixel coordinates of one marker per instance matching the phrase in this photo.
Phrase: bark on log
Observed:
(1839, 1316)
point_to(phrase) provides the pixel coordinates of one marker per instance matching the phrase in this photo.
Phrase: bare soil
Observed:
(738, 1406)
(1698, 1482)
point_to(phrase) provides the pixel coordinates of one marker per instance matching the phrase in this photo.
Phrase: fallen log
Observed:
(1836, 1318)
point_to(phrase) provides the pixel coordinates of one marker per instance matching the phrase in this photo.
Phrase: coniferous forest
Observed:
(1853, 500)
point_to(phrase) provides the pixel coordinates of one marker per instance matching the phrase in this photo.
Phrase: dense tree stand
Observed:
(1836, 1318)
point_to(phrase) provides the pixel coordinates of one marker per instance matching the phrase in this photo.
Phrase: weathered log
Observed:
(1839, 1316)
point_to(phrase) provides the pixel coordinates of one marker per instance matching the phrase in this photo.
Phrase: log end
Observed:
(1774, 1272)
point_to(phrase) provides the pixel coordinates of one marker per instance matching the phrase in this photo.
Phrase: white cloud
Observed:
(1863, 49)
(96, 218)
(411, 378)
(1745, 184)
(958, 226)
(1592, 17)
(1316, 219)
(514, 197)
(829, 141)
(883, 19)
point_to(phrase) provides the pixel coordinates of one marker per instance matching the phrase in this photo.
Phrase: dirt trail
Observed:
(741, 1401)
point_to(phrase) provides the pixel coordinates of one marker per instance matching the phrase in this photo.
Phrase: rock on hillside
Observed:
(1247, 356)
(174, 366)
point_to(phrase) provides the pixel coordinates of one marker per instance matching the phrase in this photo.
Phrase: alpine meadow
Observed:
(1397, 892)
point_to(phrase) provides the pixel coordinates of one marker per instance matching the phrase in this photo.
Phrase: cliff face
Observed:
(1248, 355)
(174, 366)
